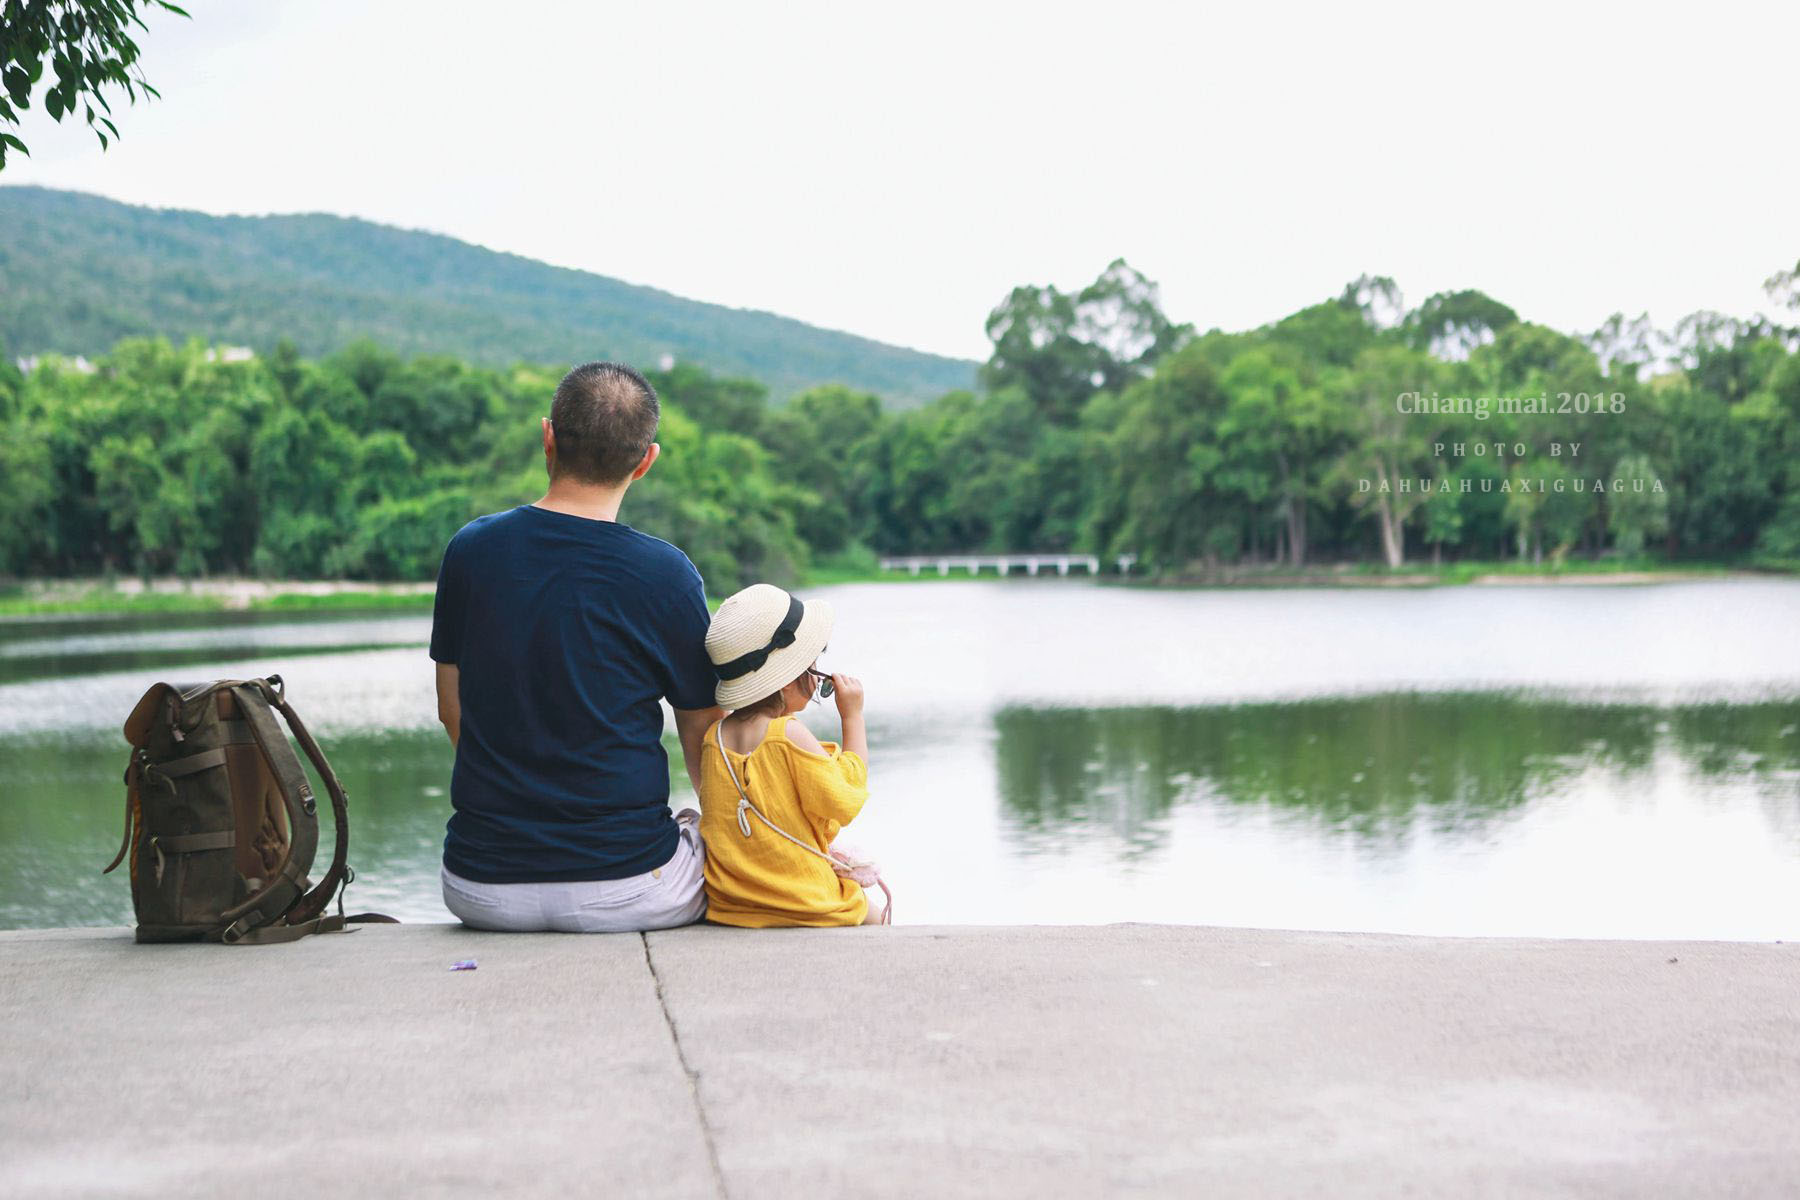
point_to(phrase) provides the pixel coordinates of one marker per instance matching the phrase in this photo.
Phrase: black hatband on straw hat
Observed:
(784, 636)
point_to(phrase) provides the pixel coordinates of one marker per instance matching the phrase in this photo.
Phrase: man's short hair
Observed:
(604, 417)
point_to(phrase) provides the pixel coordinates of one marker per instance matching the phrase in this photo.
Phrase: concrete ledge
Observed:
(897, 1062)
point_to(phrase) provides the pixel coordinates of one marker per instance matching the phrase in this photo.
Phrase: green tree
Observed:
(439, 405)
(304, 466)
(713, 495)
(27, 491)
(1442, 522)
(820, 442)
(1639, 510)
(1389, 452)
(1280, 433)
(716, 402)
(1719, 486)
(128, 485)
(1155, 458)
(90, 48)
(1060, 349)
(1451, 324)
(1774, 417)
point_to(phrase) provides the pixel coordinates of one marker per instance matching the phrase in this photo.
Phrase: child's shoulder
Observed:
(800, 736)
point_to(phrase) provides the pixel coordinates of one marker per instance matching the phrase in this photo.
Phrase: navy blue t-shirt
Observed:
(566, 632)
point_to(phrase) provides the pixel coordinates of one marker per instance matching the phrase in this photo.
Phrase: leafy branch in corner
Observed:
(88, 45)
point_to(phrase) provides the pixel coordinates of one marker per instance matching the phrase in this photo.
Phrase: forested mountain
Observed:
(78, 273)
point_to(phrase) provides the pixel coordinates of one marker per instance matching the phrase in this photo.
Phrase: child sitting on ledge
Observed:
(772, 796)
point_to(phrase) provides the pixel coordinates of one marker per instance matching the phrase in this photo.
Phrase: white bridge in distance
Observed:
(1004, 564)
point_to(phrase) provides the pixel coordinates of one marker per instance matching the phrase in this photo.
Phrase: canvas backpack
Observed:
(220, 820)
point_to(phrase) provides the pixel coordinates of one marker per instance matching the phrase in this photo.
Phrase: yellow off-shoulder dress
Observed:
(764, 880)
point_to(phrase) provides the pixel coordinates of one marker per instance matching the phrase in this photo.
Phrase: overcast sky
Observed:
(894, 170)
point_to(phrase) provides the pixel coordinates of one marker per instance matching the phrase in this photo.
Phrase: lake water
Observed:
(1561, 761)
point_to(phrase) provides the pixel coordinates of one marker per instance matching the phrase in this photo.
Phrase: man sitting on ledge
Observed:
(557, 632)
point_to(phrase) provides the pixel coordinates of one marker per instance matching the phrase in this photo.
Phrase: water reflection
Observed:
(1372, 767)
(64, 814)
(1303, 759)
(40, 648)
(60, 664)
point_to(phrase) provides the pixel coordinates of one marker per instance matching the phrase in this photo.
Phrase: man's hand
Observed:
(691, 725)
(449, 680)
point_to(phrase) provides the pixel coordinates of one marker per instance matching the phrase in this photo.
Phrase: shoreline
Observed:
(99, 597)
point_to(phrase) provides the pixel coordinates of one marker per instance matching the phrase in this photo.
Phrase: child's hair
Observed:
(771, 704)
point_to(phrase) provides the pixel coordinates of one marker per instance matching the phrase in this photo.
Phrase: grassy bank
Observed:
(100, 597)
(1424, 574)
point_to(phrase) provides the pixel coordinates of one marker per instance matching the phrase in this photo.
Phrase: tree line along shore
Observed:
(1335, 440)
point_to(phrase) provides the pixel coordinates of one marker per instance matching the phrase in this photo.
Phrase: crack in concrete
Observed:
(693, 1076)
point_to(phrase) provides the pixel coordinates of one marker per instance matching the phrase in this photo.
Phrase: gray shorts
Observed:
(673, 894)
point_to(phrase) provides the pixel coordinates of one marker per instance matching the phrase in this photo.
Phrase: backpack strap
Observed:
(314, 902)
(286, 883)
(305, 915)
(268, 935)
(134, 771)
(276, 903)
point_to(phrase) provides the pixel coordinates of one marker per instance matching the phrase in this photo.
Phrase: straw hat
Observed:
(761, 639)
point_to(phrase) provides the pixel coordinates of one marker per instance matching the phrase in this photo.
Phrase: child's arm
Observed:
(849, 692)
(830, 789)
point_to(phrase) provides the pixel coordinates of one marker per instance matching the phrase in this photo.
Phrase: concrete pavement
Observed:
(954, 1061)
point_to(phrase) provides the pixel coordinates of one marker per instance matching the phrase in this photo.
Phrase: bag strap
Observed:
(303, 826)
(269, 935)
(134, 770)
(745, 807)
(286, 883)
(314, 902)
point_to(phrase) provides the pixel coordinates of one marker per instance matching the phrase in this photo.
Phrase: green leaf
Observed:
(53, 104)
(15, 143)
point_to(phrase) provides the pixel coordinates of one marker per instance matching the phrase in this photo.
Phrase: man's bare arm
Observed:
(449, 699)
(691, 725)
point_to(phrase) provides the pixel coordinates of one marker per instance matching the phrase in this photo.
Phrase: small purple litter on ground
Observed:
(467, 964)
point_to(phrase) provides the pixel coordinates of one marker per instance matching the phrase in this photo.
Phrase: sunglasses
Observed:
(826, 687)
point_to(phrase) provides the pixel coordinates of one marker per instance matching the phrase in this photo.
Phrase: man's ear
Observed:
(650, 456)
(549, 446)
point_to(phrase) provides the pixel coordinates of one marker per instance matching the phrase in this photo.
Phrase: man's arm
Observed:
(449, 700)
(691, 725)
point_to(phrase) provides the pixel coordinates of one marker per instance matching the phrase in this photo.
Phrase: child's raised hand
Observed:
(848, 691)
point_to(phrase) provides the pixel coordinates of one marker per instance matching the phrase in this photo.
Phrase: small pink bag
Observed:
(850, 863)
